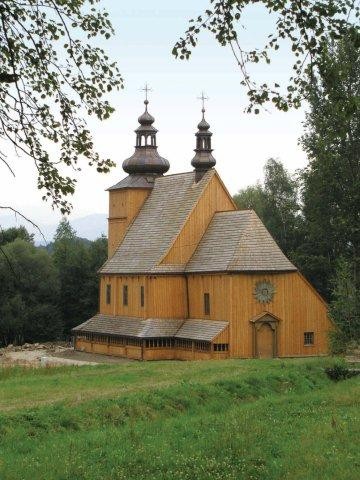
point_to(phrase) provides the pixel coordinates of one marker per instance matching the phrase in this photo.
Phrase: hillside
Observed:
(204, 420)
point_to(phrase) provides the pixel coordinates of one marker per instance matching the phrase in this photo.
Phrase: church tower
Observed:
(143, 167)
(203, 159)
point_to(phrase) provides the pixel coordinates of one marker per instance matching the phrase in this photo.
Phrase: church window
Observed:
(308, 338)
(206, 304)
(202, 346)
(142, 296)
(184, 344)
(125, 295)
(221, 347)
(108, 294)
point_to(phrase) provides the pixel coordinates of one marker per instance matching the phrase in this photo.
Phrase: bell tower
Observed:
(128, 196)
(203, 159)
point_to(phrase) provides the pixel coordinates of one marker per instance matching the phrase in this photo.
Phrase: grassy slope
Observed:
(203, 420)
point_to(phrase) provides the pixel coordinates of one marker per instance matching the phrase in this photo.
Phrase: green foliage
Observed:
(77, 264)
(303, 25)
(10, 234)
(46, 293)
(331, 182)
(251, 420)
(276, 203)
(340, 372)
(345, 307)
(51, 75)
(29, 286)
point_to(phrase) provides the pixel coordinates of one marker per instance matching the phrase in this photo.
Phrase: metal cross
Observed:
(146, 89)
(203, 98)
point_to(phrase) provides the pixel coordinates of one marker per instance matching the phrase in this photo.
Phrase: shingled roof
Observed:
(157, 225)
(238, 241)
(130, 326)
(190, 329)
(200, 329)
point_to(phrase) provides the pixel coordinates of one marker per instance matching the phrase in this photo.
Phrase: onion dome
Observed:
(203, 159)
(146, 159)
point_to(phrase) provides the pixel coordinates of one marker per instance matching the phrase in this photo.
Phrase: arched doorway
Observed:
(265, 327)
(265, 341)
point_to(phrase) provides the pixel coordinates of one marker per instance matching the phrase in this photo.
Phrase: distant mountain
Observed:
(89, 227)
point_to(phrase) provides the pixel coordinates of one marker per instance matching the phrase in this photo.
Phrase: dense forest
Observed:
(45, 291)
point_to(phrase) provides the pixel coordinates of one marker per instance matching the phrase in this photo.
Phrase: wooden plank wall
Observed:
(116, 307)
(124, 205)
(165, 296)
(215, 198)
(295, 302)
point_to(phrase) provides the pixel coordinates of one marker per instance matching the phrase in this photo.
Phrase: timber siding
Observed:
(296, 304)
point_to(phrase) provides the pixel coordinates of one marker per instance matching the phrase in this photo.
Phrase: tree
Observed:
(252, 198)
(28, 294)
(276, 203)
(77, 264)
(331, 182)
(10, 234)
(303, 26)
(50, 77)
(345, 307)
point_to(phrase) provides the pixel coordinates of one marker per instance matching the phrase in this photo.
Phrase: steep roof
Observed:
(238, 241)
(157, 225)
(191, 329)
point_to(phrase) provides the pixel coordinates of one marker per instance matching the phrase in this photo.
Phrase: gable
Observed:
(158, 224)
(214, 198)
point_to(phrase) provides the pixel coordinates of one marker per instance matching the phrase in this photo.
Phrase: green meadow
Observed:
(232, 419)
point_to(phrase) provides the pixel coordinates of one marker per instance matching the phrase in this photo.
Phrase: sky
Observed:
(144, 37)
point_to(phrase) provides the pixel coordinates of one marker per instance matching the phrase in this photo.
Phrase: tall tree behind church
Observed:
(77, 262)
(331, 182)
(276, 203)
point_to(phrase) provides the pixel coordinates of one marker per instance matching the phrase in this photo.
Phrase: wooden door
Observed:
(265, 341)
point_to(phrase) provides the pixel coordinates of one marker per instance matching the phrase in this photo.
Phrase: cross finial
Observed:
(146, 89)
(203, 98)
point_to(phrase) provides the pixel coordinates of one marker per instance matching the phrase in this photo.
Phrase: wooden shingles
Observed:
(158, 223)
(237, 241)
(190, 329)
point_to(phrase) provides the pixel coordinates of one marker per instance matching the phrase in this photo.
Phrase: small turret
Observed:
(203, 159)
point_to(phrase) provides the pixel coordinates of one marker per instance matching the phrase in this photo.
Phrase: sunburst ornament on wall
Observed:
(264, 291)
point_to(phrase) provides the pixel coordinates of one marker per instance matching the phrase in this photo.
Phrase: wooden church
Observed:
(189, 276)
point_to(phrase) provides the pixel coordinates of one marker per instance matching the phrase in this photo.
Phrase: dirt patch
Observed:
(51, 355)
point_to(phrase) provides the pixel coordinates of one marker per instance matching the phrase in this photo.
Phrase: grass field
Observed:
(180, 420)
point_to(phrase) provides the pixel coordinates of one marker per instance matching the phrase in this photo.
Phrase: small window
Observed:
(142, 296)
(308, 338)
(108, 294)
(125, 295)
(206, 303)
(221, 347)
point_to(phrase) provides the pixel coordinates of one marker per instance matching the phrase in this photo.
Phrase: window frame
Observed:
(207, 308)
(108, 294)
(142, 296)
(309, 339)
(125, 295)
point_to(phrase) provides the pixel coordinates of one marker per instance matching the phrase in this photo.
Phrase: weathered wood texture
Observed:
(215, 198)
(296, 304)
(164, 296)
(124, 205)
(103, 348)
(139, 353)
